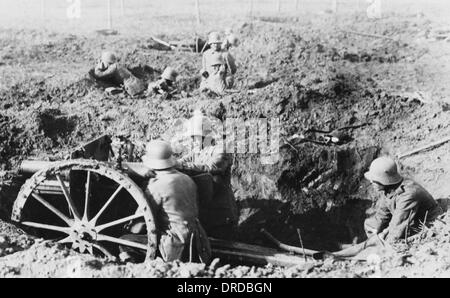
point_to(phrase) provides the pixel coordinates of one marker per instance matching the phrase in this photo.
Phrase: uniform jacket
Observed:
(114, 74)
(405, 208)
(227, 57)
(176, 196)
(222, 210)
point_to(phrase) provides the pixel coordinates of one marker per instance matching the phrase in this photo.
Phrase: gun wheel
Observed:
(86, 204)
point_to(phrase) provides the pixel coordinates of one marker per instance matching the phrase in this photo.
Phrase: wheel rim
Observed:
(83, 224)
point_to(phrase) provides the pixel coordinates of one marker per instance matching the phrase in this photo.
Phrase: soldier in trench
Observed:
(219, 216)
(181, 236)
(218, 67)
(165, 86)
(108, 70)
(402, 210)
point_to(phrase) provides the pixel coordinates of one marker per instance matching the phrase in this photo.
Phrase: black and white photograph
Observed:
(224, 145)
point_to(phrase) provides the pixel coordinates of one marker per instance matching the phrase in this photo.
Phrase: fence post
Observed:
(197, 11)
(334, 5)
(109, 15)
(278, 5)
(251, 9)
(122, 7)
(43, 9)
(296, 4)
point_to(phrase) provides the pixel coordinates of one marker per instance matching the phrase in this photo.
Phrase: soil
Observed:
(303, 71)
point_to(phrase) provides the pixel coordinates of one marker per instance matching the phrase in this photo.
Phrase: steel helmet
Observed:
(216, 59)
(228, 31)
(384, 171)
(214, 37)
(159, 155)
(233, 40)
(198, 125)
(109, 58)
(169, 74)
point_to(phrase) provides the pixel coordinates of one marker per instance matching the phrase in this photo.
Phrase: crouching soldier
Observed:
(217, 67)
(165, 86)
(404, 204)
(403, 208)
(219, 216)
(111, 72)
(181, 236)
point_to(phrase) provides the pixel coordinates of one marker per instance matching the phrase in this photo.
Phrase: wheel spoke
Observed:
(67, 196)
(86, 199)
(51, 208)
(68, 239)
(96, 217)
(46, 227)
(118, 221)
(101, 237)
(104, 251)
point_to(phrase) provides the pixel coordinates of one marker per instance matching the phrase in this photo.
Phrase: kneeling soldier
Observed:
(404, 205)
(216, 66)
(111, 72)
(181, 235)
(165, 86)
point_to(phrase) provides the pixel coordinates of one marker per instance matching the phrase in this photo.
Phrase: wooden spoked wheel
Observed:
(86, 204)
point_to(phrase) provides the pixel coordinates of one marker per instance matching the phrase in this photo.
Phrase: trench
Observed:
(322, 196)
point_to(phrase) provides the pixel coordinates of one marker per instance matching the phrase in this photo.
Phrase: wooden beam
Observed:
(255, 254)
(423, 148)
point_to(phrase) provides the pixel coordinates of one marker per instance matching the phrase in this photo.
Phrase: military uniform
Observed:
(219, 216)
(402, 211)
(216, 79)
(176, 195)
(114, 73)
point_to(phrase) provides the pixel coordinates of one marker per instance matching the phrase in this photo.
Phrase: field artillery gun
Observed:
(88, 200)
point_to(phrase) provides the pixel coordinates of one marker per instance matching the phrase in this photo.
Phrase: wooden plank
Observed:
(254, 254)
(426, 147)
(278, 259)
(242, 246)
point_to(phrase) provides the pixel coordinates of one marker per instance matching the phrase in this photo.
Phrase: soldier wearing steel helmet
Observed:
(119, 77)
(216, 66)
(181, 236)
(109, 70)
(165, 86)
(403, 206)
(219, 216)
(230, 41)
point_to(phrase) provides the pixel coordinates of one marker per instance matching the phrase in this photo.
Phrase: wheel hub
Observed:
(83, 234)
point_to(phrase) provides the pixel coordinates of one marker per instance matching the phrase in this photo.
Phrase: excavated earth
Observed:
(390, 94)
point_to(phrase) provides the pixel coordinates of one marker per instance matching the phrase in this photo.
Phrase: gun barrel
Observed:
(29, 167)
(132, 169)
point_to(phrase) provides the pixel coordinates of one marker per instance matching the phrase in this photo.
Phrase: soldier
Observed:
(404, 204)
(110, 71)
(175, 195)
(165, 85)
(230, 41)
(220, 215)
(402, 209)
(216, 66)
